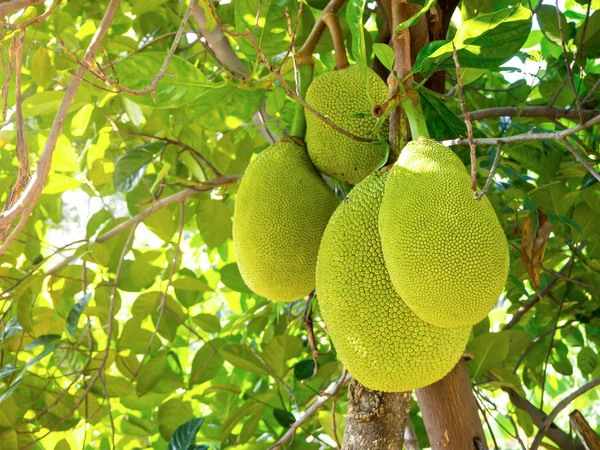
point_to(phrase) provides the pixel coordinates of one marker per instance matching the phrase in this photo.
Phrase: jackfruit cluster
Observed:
(446, 252)
(341, 96)
(382, 343)
(282, 208)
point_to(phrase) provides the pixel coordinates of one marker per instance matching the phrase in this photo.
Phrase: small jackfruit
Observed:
(341, 96)
(381, 342)
(281, 209)
(446, 252)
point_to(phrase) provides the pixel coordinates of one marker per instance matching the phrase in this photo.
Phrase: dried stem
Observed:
(22, 149)
(31, 194)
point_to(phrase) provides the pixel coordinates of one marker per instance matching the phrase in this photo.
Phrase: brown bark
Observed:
(583, 431)
(375, 420)
(450, 412)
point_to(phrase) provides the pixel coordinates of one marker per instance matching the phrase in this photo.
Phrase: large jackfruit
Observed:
(341, 96)
(281, 209)
(382, 343)
(446, 252)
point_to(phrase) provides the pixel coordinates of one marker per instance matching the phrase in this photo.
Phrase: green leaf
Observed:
(225, 107)
(214, 221)
(548, 17)
(42, 71)
(486, 41)
(231, 277)
(81, 120)
(208, 322)
(182, 84)
(304, 369)
(135, 338)
(285, 418)
(489, 350)
(354, 16)
(75, 313)
(279, 350)
(385, 54)
(151, 372)
(172, 414)
(242, 357)
(415, 18)
(325, 420)
(184, 436)
(442, 123)
(587, 361)
(12, 388)
(272, 35)
(7, 370)
(142, 6)
(131, 166)
(207, 362)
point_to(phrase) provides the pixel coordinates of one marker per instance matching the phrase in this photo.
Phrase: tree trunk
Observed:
(375, 420)
(450, 412)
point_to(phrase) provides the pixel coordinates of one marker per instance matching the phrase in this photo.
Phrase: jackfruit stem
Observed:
(337, 36)
(304, 77)
(411, 104)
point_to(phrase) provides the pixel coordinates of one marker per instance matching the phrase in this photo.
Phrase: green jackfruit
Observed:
(446, 252)
(281, 209)
(382, 343)
(341, 96)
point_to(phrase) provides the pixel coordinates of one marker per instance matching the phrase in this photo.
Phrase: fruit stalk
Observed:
(304, 78)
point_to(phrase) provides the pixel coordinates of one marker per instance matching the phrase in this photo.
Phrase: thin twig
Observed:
(331, 391)
(554, 328)
(467, 118)
(531, 111)
(151, 88)
(165, 293)
(567, 64)
(275, 376)
(490, 177)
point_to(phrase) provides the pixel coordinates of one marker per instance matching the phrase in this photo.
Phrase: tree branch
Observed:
(531, 111)
(32, 192)
(331, 391)
(555, 434)
(14, 5)
(529, 136)
(313, 38)
(559, 407)
(159, 204)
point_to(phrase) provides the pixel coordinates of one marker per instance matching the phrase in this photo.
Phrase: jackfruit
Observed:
(281, 210)
(381, 342)
(341, 96)
(446, 252)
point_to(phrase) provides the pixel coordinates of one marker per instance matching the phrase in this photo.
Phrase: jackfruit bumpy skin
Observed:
(446, 252)
(382, 343)
(340, 95)
(281, 210)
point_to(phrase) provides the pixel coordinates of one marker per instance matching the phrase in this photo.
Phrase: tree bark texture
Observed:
(450, 412)
(583, 430)
(375, 420)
